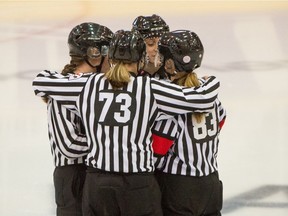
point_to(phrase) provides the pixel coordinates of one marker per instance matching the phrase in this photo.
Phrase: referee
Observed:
(188, 175)
(66, 131)
(151, 29)
(118, 110)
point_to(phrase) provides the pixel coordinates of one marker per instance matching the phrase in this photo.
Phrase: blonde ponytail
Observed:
(191, 80)
(118, 75)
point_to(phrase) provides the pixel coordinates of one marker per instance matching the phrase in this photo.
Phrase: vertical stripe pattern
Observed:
(66, 134)
(118, 123)
(194, 152)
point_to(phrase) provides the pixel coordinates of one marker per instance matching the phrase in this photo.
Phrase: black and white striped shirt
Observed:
(118, 123)
(66, 134)
(195, 147)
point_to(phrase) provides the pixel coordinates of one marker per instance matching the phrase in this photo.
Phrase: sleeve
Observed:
(159, 162)
(221, 111)
(164, 134)
(173, 99)
(59, 87)
(66, 130)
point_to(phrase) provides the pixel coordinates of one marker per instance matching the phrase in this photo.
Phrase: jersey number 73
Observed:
(115, 108)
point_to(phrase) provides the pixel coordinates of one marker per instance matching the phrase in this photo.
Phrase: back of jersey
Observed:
(195, 148)
(118, 124)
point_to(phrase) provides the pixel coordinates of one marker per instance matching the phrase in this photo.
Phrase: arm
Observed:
(66, 131)
(59, 87)
(221, 113)
(173, 99)
(163, 136)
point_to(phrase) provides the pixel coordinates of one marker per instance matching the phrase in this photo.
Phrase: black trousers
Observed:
(111, 194)
(68, 182)
(191, 196)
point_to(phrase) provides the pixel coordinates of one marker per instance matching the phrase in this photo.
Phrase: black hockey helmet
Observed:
(126, 45)
(184, 48)
(89, 40)
(150, 26)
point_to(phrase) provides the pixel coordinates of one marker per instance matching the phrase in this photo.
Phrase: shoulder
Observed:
(80, 77)
(165, 83)
(143, 73)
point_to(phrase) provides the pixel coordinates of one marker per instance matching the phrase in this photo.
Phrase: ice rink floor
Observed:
(246, 47)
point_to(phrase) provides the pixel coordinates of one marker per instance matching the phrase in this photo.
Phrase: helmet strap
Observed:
(87, 61)
(98, 67)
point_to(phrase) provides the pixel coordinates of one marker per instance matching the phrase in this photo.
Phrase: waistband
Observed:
(95, 170)
(214, 174)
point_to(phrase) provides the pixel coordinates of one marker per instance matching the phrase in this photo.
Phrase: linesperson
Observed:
(66, 131)
(118, 110)
(188, 175)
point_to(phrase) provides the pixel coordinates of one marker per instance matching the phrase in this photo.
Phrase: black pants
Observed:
(191, 196)
(68, 182)
(110, 194)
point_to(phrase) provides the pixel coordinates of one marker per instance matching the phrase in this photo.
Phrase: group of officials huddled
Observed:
(133, 130)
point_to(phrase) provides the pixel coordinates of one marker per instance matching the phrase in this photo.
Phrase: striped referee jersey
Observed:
(66, 134)
(118, 122)
(193, 146)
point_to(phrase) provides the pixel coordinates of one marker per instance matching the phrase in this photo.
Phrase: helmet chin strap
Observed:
(87, 61)
(98, 67)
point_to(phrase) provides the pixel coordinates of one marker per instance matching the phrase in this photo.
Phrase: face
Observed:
(152, 48)
(95, 61)
(94, 56)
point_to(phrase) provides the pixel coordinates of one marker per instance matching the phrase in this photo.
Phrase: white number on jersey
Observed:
(208, 127)
(115, 108)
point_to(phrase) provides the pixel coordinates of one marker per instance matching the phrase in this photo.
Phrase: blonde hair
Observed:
(118, 75)
(191, 80)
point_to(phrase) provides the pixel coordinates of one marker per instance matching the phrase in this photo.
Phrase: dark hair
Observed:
(74, 63)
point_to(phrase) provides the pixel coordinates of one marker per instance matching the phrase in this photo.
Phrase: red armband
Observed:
(221, 123)
(161, 145)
